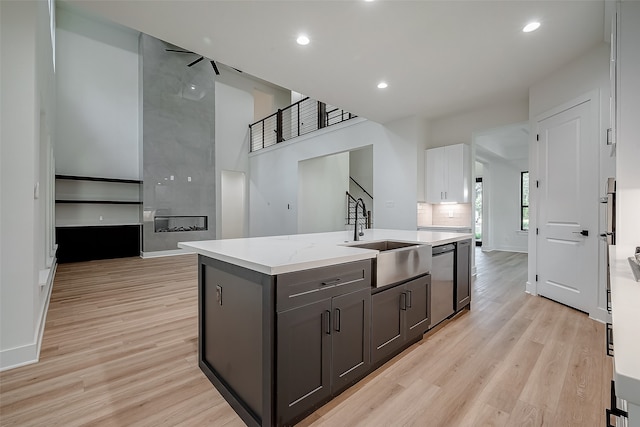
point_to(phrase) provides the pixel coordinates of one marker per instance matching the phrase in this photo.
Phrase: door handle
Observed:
(327, 322)
(336, 320)
(403, 301)
(408, 299)
(582, 233)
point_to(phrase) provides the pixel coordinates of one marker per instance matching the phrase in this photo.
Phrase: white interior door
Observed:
(567, 241)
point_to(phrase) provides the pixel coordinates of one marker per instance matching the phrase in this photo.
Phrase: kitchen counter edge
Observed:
(625, 314)
(285, 254)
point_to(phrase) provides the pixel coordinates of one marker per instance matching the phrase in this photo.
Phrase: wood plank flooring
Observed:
(120, 349)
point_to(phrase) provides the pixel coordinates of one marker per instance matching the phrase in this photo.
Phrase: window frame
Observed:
(522, 205)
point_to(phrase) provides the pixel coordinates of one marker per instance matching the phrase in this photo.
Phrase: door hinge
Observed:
(537, 231)
(537, 183)
(536, 277)
(537, 137)
(609, 136)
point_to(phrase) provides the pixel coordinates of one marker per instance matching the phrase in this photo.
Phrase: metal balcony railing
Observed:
(306, 115)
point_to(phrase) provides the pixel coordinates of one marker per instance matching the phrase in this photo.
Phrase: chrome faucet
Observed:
(356, 235)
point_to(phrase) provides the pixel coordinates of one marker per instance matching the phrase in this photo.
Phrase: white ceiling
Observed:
(508, 142)
(438, 57)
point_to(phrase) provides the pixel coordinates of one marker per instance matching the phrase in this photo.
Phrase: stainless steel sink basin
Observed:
(397, 261)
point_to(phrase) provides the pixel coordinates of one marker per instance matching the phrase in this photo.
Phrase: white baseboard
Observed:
(529, 289)
(600, 315)
(18, 356)
(173, 252)
(511, 249)
(30, 353)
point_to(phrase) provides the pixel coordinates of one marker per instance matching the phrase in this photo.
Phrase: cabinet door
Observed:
(232, 313)
(350, 341)
(457, 183)
(418, 303)
(463, 274)
(434, 175)
(387, 323)
(303, 359)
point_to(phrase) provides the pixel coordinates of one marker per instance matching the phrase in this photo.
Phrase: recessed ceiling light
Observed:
(531, 26)
(302, 40)
(382, 85)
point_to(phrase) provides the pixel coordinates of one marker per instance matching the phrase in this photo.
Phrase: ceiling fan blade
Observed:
(196, 61)
(179, 51)
(215, 68)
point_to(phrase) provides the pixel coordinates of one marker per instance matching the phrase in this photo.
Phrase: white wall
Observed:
(322, 183)
(98, 107)
(361, 167)
(274, 174)
(628, 142)
(233, 113)
(588, 73)
(459, 128)
(26, 111)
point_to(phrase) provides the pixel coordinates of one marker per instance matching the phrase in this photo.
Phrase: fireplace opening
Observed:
(176, 223)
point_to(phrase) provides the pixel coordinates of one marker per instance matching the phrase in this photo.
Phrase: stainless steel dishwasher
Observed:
(442, 283)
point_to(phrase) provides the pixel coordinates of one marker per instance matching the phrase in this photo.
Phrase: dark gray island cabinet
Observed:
(278, 347)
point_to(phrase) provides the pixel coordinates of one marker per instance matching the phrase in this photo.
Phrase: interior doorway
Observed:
(233, 201)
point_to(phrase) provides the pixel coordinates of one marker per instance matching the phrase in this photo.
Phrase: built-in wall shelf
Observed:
(102, 202)
(103, 213)
(99, 179)
(92, 190)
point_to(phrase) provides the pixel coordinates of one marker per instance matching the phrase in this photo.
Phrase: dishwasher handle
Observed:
(438, 250)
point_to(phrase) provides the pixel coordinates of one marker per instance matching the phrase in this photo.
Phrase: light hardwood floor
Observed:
(119, 349)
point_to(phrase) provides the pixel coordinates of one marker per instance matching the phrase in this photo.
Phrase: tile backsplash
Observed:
(452, 215)
(424, 214)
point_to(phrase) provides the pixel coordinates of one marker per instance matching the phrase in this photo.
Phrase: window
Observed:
(524, 201)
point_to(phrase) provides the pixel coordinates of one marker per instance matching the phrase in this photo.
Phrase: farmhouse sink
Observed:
(397, 261)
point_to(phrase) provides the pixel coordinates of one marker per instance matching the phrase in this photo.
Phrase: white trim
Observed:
(171, 252)
(18, 356)
(528, 288)
(514, 249)
(43, 315)
(27, 354)
(600, 315)
(592, 95)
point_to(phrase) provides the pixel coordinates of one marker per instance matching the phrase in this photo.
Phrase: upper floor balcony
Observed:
(302, 117)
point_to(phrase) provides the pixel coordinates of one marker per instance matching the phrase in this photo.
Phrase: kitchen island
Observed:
(287, 322)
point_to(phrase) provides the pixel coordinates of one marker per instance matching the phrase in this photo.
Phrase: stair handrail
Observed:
(361, 187)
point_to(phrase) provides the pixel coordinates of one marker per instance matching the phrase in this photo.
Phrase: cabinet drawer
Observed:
(307, 286)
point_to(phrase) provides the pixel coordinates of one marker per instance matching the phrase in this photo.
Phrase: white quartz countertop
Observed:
(625, 314)
(444, 227)
(284, 254)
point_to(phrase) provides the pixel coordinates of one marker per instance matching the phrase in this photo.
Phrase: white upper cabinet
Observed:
(447, 174)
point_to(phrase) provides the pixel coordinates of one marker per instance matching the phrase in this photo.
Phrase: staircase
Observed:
(356, 191)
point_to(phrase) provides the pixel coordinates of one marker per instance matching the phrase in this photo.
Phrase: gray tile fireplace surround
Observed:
(178, 142)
